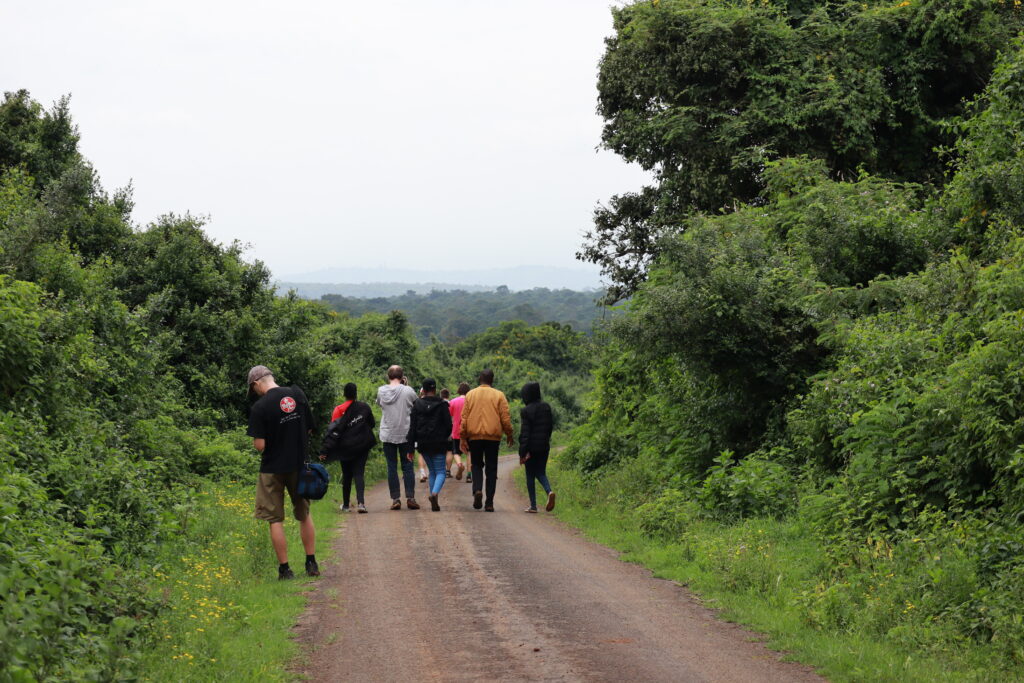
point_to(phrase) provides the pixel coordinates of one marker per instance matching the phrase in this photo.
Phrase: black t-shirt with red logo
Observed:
(282, 418)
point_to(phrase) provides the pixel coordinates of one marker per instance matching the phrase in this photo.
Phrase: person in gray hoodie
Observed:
(395, 400)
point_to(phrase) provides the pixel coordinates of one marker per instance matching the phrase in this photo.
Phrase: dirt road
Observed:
(468, 595)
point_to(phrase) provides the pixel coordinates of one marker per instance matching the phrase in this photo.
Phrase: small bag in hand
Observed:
(313, 481)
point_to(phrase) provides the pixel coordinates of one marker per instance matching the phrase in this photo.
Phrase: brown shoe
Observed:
(458, 472)
(396, 504)
(478, 500)
(488, 508)
(412, 504)
(551, 502)
(433, 502)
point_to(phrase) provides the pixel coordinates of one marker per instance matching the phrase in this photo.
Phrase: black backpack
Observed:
(350, 434)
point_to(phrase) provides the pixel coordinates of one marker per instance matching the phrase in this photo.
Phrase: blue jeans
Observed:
(393, 452)
(536, 468)
(435, 463)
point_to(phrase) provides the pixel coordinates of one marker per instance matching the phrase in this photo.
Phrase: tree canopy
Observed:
(703, 93)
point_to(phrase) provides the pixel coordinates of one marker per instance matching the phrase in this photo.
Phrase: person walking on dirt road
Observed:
(484, 418)
(395, 400)
(280, 423)
(455, 409)
(430, 429)
(354, 424)
(535, 427)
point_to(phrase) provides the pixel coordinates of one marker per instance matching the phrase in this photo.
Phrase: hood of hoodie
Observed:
(389, 393)
(431, 404)
(531, 392)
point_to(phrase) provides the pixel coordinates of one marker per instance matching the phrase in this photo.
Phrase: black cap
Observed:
(429, 385)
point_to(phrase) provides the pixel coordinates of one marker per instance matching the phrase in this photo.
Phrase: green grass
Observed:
(227, 616)
(759, 572)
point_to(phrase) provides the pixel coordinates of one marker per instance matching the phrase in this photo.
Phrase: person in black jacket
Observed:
(351, 445)
(430, 428)
(535, 443)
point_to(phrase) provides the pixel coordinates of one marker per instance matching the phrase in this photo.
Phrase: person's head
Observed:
(429, 387)
(260, 380)
(487, 377)
(463, 388)
(530, 392)
(445, 394)
(395, 372)
(350, 391)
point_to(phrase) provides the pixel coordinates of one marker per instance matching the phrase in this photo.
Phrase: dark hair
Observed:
(350, 391)
(445, 393)
(487, 376)
(463, 388)
(395, 372)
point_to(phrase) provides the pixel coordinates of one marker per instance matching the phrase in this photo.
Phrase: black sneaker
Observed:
(312, 568)
(285, 574)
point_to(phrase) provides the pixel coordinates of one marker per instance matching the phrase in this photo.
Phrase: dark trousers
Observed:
(537, 469)
(352, 470)
(393, 453)
(483, 454)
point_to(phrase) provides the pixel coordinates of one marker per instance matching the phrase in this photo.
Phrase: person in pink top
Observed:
(454, 447)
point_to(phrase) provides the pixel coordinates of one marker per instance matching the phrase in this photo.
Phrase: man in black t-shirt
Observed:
(279, 424)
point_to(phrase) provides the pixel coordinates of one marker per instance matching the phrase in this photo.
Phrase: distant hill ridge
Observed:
(348, 281)
(373, 290)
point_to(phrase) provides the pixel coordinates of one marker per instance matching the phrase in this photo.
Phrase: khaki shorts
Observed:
(270, 497)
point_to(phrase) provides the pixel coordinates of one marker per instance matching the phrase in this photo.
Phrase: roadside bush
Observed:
(753, 486)
(668, 515)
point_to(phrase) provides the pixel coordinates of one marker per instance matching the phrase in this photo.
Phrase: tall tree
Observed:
(703, 93)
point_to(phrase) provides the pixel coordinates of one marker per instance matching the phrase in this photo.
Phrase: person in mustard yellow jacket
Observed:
(485, 418)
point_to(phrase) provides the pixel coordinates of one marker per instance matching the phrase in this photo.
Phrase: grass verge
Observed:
(758, 572)
(226, 616)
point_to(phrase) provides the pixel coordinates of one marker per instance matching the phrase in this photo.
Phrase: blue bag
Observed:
(313, 480)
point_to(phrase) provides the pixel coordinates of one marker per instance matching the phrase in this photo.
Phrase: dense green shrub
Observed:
(845, 351)
(754, 486)
(668, 515)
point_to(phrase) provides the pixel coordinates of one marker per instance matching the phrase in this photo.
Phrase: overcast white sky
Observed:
(409, 134)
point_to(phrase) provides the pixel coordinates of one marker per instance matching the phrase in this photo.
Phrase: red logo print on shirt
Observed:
(288, 404)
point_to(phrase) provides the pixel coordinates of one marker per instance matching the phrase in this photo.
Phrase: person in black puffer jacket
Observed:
(535, 428)
(430, 428)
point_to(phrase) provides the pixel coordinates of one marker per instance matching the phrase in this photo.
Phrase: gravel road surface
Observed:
(468, 595)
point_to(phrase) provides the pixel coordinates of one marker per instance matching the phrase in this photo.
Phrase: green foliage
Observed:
(668, 515)
(43, 143)
(844, 354)
(454, 315)
(704, 93)
(122, 357)
(985, 198)
(755, 486)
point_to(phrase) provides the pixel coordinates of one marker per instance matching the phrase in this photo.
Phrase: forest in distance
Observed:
(453, 315)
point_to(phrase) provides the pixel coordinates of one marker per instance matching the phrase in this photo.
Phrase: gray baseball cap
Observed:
(257, 373)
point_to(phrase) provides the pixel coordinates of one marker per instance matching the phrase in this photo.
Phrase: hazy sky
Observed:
(390, 133)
